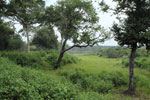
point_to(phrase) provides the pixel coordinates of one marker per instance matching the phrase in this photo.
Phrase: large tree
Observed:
(77, 21)
(26, 12)
(133, 30)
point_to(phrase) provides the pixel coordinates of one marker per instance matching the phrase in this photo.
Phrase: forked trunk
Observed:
(131, 87)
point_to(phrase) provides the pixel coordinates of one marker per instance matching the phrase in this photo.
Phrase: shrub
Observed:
(89, 96)
(53, 56)
(140, 62)
(117, 78)
(32, 59)
(27, 84)
(38, 59)
(87, 81)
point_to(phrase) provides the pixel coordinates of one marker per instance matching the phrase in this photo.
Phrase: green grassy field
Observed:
(93, 65)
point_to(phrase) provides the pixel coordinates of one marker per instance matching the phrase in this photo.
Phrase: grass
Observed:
(94, 64)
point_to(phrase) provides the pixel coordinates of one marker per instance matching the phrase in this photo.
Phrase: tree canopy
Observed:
(45, 38)
(26, 12)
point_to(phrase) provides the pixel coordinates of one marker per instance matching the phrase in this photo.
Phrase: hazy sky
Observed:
(106, 19)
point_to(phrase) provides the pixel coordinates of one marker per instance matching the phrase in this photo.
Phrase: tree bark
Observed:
(61, 54)
(131, 87)
(28, 40)
(59, 60)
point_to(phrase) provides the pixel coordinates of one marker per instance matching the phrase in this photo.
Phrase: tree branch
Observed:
(80, 46)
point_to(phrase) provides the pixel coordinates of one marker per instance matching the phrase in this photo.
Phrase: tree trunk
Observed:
(61, 54)
(59, 60)
(131, 87)
(28, 40)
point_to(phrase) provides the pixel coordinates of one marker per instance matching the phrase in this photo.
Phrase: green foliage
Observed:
(5, 35)
(26, 13)
(117, 78)
(8, 39)
(38, 59)
(52, 57)
(15, 43)
(89, 96)
(32, 59)
(104, 82)
(118, 52)
(140, 62)
(134, 29)
(45, 39)
(27, 84)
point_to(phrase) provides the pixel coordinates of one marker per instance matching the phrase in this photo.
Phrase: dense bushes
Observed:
(37, 59)
(18, 83)
(32, 59)
(140, 62)
(102, 83)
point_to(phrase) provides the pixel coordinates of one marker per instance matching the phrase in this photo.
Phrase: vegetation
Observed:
(78, 81)
(45, 39)
(140, 62)
(76, 21)
(38, 59)
(90, 73)
(26, 13)
(121, 52)
(8, 39)
(133, 30)
(21, 83)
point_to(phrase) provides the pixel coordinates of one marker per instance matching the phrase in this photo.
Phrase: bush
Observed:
(32, 59)
(140, 62)
(115, 52)
(38, 59)
(117, 78)
(89, 96)
(53, 56)
(27, 84)
(87, 81)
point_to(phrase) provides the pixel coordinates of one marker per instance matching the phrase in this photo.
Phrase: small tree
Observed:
(26, 12)
(77, 21)
(5, 35)
(15, 42)
(133, 31)
(45, 38)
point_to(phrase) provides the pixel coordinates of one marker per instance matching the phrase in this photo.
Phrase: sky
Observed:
(106, 19)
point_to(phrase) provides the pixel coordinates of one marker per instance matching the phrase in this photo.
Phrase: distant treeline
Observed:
(119, 52)
(110, 51)
(87, 50)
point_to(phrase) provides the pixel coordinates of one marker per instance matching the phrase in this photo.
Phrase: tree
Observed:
(77, 21)
(26, 12)
(45, 39)
(5, 35)
(133, 31)
(15, 42)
